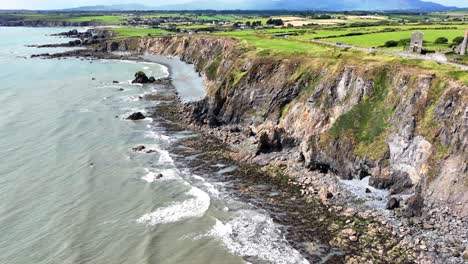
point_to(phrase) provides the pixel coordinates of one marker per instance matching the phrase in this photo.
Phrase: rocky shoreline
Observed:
(430, 235)
(437, 236)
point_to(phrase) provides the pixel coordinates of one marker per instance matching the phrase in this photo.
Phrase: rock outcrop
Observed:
(140, 77)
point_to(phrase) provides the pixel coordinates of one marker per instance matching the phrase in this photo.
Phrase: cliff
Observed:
(404, 127)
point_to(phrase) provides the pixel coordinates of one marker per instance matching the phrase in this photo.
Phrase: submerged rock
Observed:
(139, 148)
(136, 116)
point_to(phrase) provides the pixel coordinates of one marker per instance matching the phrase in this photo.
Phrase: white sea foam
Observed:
(198, 178)
(150, 177)
(157, 136)
(210, 188)
(164, 157)
(376, 198)
(196, 206)
(255, 235)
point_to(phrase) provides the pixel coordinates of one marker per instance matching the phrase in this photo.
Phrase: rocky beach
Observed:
(334, 206)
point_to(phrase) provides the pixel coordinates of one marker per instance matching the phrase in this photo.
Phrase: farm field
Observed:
(379, 39)
(128, 32)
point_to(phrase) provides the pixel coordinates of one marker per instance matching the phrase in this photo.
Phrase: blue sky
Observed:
(56, 4)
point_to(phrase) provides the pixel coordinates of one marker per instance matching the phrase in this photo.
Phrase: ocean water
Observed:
(73, 191)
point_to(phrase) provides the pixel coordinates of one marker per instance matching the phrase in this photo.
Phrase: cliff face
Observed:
(405, 128)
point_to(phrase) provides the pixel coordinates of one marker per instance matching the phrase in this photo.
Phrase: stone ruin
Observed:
(416, 44)
(462, 48)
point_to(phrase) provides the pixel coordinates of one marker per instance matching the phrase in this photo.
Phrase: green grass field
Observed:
(196, 26)
(110, 20)
(128, 32)
(379, 39)
(277, 46)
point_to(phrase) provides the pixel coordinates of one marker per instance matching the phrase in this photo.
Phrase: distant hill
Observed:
(329, 5)
(293, 5)
(123, 7)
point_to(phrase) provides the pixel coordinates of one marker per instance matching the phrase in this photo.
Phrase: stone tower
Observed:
(464, 44)
(416, 44)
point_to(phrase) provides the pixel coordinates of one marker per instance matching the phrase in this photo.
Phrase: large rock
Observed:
(415, 206)
(267, 144)
(393, 203)
(398, 182)
(140, 77)
(136, 116)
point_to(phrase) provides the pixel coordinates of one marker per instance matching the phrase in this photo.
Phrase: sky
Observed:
(58, 4)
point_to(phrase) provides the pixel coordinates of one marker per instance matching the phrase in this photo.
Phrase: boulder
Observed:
(415, 206)
(393, 203)
(267, 144)
(397, 182)
(136, 116)
(140, 77)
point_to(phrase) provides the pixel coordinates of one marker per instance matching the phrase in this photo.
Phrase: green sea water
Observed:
(71, 189)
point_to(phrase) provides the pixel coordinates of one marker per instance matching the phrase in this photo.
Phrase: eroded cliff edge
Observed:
(403, 126)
